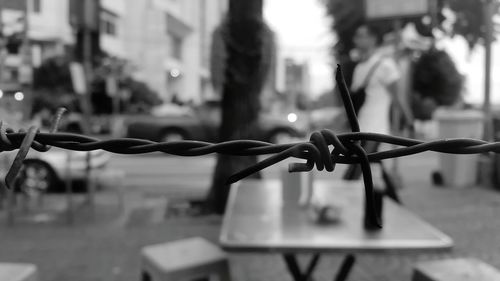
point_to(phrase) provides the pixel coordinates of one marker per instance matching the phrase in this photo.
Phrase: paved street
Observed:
(165, 174)
(177, 176)
(105, 244)
(127, 71)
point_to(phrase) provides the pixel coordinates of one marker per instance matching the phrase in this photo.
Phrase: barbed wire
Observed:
(324, 150)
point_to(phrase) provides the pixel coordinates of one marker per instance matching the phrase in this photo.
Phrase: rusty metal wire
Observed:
(324, 150)
(28, 141)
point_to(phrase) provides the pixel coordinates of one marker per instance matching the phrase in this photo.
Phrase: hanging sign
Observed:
(78, 78)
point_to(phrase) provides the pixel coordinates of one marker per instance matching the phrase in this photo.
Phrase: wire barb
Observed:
(27, 142)
(10, 178)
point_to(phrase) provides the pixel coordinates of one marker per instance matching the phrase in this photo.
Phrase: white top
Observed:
(374, 114)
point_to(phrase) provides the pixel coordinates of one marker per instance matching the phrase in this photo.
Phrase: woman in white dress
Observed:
(378, 74)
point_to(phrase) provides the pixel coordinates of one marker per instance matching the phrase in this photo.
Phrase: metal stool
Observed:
(18, 272)
(187, 259)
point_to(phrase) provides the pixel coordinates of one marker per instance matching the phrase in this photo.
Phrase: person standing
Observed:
(378, 74)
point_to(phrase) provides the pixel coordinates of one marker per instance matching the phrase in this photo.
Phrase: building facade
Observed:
(25, 42)
(168, 44)
(297, 82)
(112, 23)
(48, 32)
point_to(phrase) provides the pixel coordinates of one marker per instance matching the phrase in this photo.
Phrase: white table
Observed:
(257, 220)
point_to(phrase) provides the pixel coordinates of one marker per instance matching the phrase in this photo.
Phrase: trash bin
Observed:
(459, 170)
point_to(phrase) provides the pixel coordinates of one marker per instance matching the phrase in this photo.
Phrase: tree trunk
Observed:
(245, 73)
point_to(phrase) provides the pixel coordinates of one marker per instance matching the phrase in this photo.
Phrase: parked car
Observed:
(202, 123)
(49, 170)
(73, 123)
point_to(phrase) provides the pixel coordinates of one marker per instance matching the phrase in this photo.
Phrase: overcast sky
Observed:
(471, 64)
(303, 32)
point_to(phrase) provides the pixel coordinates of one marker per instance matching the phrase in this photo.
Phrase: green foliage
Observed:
(348, 14)
(436, 82)
(141, 96)
(53, 75)
(53, 88)
(470, 19)
(437, 77)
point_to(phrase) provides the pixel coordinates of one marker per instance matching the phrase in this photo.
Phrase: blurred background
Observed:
(120, 58)
(220, 70)
(105, 58)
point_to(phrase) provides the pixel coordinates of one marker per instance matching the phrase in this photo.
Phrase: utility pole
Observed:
(26, 67)
(88, 21)
(488, 17)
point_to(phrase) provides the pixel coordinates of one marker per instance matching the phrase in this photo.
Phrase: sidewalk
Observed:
(106, 245)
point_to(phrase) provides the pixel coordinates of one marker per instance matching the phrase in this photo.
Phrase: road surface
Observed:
(178, 176)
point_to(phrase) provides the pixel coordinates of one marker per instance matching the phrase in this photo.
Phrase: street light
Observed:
(19, 96)
(175, 73)
(292, 117)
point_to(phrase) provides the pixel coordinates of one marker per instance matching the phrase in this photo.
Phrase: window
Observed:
(109, 28)
(37, 6)
(14, 43)
(175, 47)
(108, 24)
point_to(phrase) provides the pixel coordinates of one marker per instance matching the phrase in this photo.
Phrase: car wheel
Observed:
(172, 135)
(281, 137)
(36, 177)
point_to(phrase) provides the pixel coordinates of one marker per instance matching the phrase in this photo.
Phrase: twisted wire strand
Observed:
(324, 150)
(12, 141)
(27, 142)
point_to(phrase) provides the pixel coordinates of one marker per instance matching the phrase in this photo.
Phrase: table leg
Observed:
(293, 266)
(345, 268)
(295, 271)
(311, 267)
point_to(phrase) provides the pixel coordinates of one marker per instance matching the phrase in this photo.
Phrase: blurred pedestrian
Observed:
(375, 77)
